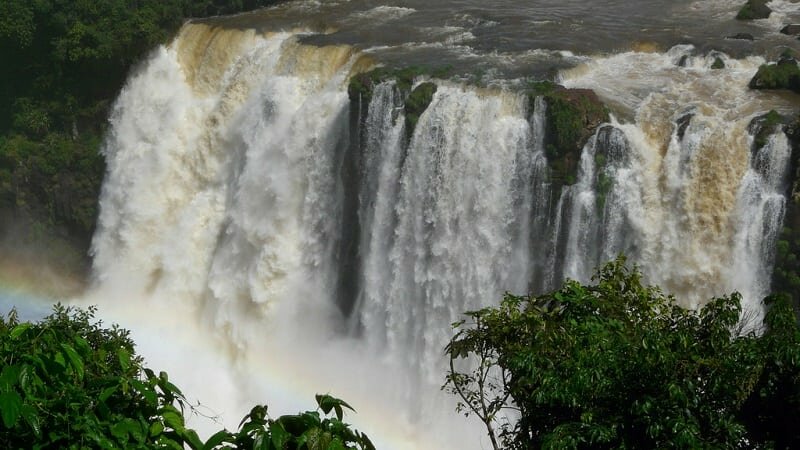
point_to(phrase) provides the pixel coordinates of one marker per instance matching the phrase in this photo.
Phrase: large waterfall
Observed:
(316, 236)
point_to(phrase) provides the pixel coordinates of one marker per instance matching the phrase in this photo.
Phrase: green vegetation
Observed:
(718, 63)
(754, 9)
(67, 382)
(603, 185)
(614, 364)
(781, 75)
(362, 84)
(766, 126)
(64, 62)
(416, 103)
(786, 275)
(787, 266)
(572, 117)
(617, 364)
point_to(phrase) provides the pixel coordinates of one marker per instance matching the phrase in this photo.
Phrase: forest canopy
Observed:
(64, 62)
(619, 364)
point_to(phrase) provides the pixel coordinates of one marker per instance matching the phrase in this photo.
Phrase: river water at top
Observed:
(515, 38)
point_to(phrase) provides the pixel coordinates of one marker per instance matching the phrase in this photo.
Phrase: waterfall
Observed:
(222, 182)
(316, 235)
(440, 230)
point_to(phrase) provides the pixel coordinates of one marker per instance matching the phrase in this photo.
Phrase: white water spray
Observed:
(223, 217)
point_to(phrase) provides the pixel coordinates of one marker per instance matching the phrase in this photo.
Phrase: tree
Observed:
(308, 430)
(617, 364)
(64, 62)
(68, 382)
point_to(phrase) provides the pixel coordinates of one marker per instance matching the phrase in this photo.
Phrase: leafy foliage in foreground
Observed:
(308, 430)
(67, 382)
(619, 365)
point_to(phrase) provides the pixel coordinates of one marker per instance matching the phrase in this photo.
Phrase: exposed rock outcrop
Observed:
(791, 29)
(742, 36)
(416, 103)
(786, 274)
(754, 9)
(785, 74)
(572, 116)
(416, 100)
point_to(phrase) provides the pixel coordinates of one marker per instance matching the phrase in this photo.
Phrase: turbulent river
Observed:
(268, 238)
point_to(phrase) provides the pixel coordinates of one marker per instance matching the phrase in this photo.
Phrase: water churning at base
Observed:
(245, 187)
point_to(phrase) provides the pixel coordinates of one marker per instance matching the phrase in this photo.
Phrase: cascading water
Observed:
(455, 217)
(244, 188)
(223, 208)
(682, 195)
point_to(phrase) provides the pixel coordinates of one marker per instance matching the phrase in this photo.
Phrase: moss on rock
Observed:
(416, 103)
(754, 9)
(417, 99)
(362, 84)
(761, 127)
(572, 117)
(786, 273)
(785, 74)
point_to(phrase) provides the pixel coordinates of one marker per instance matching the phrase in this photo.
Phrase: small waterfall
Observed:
(615, 196)
(694, 229)
(540, 195)
(580, 242)
(382, 160)
(455, 208)
(761, 204)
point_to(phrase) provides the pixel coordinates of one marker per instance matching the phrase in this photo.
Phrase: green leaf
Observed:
(134, 429)
(156, 428)
(191, 438)
(261, 442)
(146, 391)
(59, 359)
(10, 408)
(173, 420)
(82, 345)
(279, 435)
(27, 375)
(32, 419)
(124, 358)
(120, 431)
(74, 359)
(19, 330)
(218, 438)
(9, 377)
(327, 403)
(107, 392)
(336, 444)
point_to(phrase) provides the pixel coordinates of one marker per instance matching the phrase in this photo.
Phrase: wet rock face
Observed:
(742, 36)
(572, 117)
(754, 9)
(785, 74)
(416, 103)
(761, 127)
(791, 29)
(786, 274)
(682, 122)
